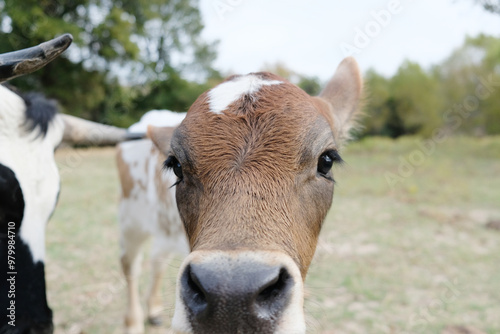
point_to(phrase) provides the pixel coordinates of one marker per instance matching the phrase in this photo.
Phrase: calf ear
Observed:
(161, 137)
(343, 93)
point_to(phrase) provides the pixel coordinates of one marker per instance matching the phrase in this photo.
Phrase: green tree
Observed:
(394, 126)
(408, 103)
(138, 41)
(311, 85)
(378, 110)
(471, 85)
(418, 100)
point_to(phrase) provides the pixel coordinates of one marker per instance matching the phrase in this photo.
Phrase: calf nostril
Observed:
(193, 291)
(274, 294)
(235, 293)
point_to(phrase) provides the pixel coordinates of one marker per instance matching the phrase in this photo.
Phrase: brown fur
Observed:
(250, 174)
(126, 180)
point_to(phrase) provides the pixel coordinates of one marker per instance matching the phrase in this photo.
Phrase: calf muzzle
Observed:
(234, 293)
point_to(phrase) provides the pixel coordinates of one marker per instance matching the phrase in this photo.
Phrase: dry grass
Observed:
(414, 258)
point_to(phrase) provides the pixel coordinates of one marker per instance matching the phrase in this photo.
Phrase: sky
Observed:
(312, 37)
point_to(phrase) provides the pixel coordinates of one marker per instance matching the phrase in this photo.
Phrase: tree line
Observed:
(461, 95)
(131, 56)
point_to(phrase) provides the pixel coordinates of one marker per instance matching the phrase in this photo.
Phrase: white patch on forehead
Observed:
(228, 92)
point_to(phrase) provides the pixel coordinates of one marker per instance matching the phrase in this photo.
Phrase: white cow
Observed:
(147, 208)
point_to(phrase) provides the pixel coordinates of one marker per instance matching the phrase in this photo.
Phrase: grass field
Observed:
(407, 252)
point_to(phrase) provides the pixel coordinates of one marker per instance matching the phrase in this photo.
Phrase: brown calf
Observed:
(253, 161)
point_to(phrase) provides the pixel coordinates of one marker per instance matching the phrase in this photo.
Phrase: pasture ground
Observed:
(412, 258)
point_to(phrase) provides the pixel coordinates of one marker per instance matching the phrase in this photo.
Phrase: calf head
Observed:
(253, 159)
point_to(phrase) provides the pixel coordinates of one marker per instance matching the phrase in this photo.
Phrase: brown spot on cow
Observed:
(127, 182)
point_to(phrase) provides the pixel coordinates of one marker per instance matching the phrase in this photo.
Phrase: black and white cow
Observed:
(29, 187)
(30, 130)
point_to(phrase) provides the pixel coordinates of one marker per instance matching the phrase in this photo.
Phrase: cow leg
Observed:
(131, 265)
(159, 261)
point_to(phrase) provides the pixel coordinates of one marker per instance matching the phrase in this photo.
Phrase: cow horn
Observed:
(82, 132)
(16, 63)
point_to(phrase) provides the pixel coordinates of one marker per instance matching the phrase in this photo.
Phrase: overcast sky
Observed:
(312, 37)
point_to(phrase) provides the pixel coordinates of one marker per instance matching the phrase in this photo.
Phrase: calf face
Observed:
(253, 159)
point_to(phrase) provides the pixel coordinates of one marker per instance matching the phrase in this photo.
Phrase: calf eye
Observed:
(175, 165)
(326, 161)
